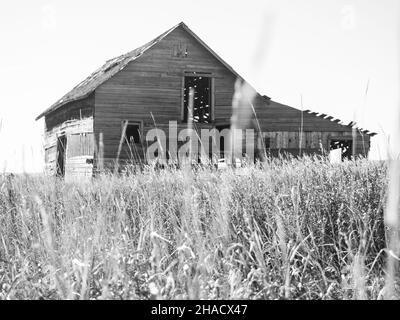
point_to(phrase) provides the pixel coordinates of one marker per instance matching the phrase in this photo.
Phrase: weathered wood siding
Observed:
(283, 124)
(75, 121)
(275, 116)
(79, 155)
(153, 84)
(312, 141)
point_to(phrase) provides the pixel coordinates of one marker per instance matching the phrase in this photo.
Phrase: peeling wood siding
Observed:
(67, 128)
(68, 121)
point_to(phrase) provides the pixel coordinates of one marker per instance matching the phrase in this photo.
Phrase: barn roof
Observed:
(113, 66)
(109, 69)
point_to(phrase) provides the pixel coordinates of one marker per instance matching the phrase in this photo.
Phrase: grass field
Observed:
(295, 229)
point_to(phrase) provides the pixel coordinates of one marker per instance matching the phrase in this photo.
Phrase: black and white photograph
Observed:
(198, 156)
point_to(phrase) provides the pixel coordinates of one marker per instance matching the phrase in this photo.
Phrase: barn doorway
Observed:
(345, 145)
(61, 155)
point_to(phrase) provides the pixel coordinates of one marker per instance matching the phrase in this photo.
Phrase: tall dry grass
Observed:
(290, 229)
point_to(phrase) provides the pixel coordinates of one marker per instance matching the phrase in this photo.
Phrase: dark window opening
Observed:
(222, 143)
(267, 143)
(180, 50)
(201, 99)
(61, 155)
(345, 145)
(132, 133)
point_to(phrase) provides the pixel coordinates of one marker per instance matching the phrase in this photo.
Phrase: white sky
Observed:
(325, 51)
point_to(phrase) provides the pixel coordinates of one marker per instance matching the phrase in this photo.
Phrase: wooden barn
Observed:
(105, 118)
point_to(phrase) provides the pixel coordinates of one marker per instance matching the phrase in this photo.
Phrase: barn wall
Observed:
(313, 141)
(76, 110)
(73, 120)
(154, 84)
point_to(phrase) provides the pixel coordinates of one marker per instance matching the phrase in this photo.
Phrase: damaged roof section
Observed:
(108, 70)
(113, 66)
(352, 124)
